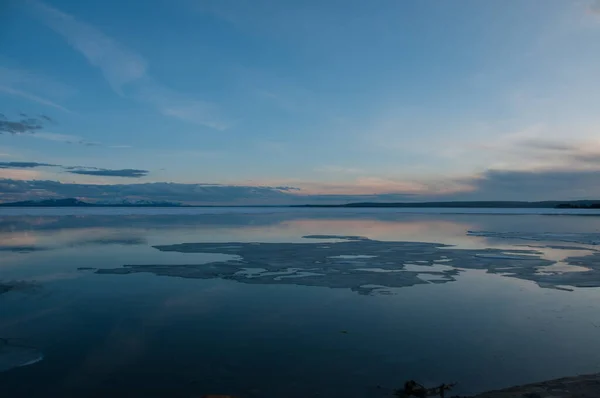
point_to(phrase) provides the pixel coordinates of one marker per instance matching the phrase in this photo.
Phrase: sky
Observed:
(273, 102)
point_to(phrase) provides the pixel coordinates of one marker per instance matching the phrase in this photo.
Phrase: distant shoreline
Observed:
(553, 204)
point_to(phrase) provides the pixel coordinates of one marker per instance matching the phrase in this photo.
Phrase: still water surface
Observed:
(142, 335)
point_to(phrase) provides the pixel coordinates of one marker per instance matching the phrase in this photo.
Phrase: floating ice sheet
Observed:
(375, 263)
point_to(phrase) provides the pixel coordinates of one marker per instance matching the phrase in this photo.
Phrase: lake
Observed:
(293, 302)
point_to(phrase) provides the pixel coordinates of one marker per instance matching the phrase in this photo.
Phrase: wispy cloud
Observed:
(32, 97)
(173, 104)
(570, 154)
(282, 94)
(546, 145)
(196, 112)
(66, 138)
(530, 149)
(126, 71)
(118, 65)
(33, 126)
(128, 173)
(33, 87)
(58, 137)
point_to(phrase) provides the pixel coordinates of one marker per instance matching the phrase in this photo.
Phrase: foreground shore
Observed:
(585, 386)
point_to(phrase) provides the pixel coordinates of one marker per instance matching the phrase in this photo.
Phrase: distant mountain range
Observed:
(73, 202)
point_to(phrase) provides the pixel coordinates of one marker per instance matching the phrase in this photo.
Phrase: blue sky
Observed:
(429, 99)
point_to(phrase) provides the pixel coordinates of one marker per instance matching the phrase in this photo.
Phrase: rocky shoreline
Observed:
(584, 386)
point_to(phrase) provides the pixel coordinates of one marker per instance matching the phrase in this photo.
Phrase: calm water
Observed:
(143, 335)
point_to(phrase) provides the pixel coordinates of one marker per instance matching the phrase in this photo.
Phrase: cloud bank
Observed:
(536, 185)
(494, 185)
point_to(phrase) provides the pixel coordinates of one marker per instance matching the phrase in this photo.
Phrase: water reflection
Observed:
(262, 311)
(33, 239)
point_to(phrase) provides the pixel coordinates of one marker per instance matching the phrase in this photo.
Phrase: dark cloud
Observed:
(590, 158)
(26, 125)
(129, 173)
(533, 185)
(560, 151)
(85, 170)
(24, 165)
